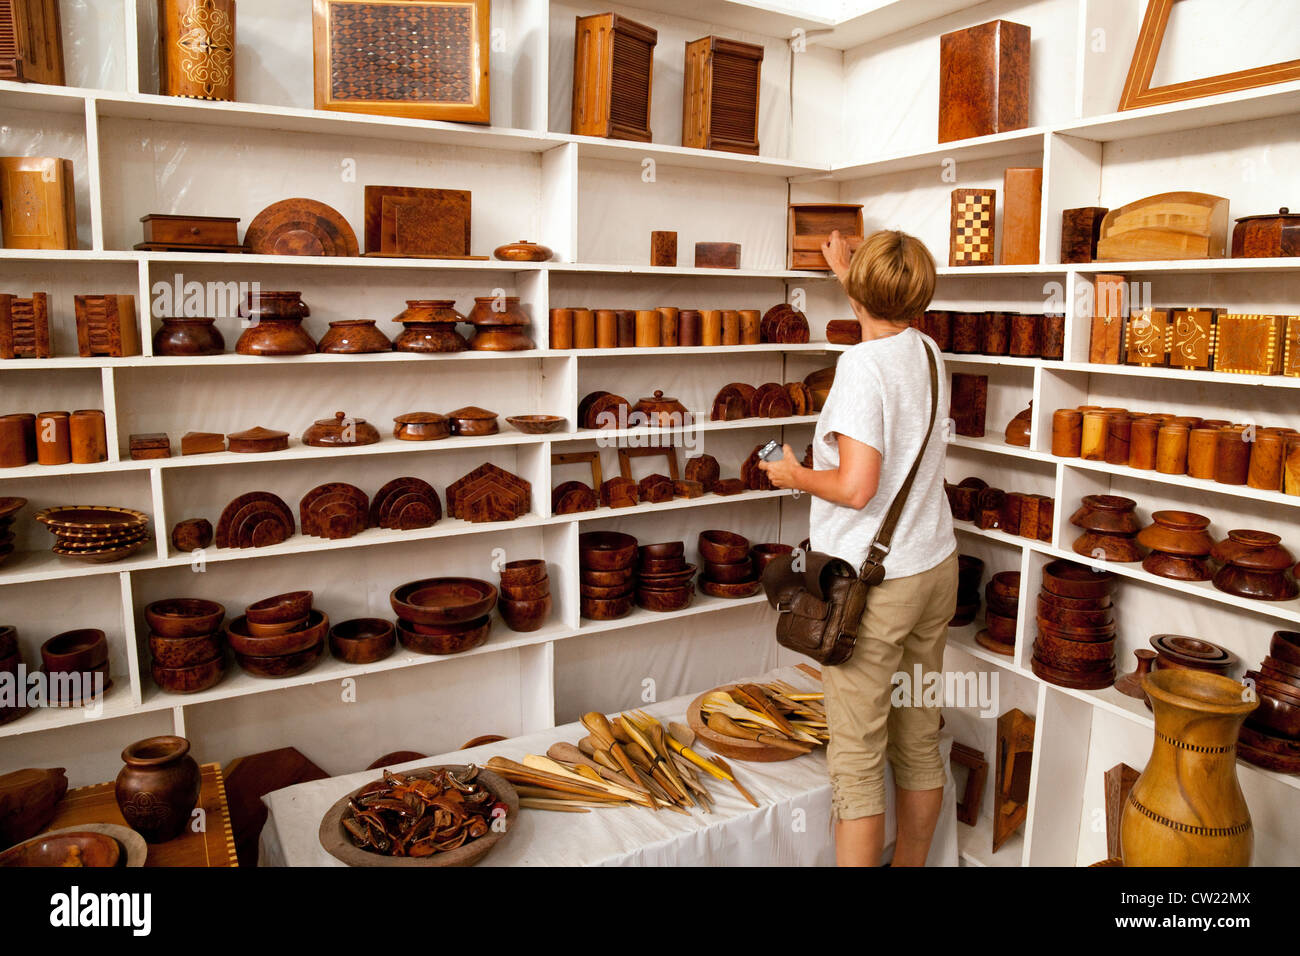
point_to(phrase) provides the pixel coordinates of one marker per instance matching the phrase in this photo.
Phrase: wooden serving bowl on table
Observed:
(723, 547)
(443, 601)
(307, 635)
(184, 617)
(189, 679)
(293, 606)
(606, 550)
(444, 638)
(733, 748)
(524, 572)
(184, 651)
(362, 640)
(84, 849)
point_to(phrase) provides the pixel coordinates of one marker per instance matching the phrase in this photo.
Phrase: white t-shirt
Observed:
(881, 397)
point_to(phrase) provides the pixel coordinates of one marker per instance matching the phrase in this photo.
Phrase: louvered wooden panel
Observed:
(735, 95)
(630, 93)
(31, 41)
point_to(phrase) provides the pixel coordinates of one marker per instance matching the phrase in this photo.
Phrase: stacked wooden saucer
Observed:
(94, 532)
(279, 636)
(9, 508)
(728, 570)
(334, 510)
(663, 579)
(606, 562)
(525, 601)
(1001, 612)
(405, 504)
(1076, 631)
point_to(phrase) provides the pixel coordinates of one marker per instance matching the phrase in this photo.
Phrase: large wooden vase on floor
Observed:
(1187, 808)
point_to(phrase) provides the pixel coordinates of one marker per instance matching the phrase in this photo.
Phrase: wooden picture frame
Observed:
(968, 807)
(591, 458)
(1138, 91)
(625, 456)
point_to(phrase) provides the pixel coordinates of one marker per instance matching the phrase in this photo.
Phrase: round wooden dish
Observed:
(442, 601)
(291, 606)
(1074, 655)
(1276, 715)
(184, 617)
(1281, 670)
(1067, 618)
(1190, 653)
(300, 227)
(362, 640)
(733, 748)
(445, 639)
(1069, 580)
(472, 420)
(611, 593)
(82, 848)
(307, 635)
(523, 572)
(421, 426)
(606, 579)
(668, 580)
(184, 651)
(1000, 628)
(99, 519)
(257, 440)
(661, 551)
(1102, 633)
(596, 609)
(1268, 750)
(336, 842)
(340, 432)
(985, 639)
(191, 679)
(723, 547)
(78, 650)
(537, 424)
(660, 566)
(742, 590)
(287, 665)
(1258, 585)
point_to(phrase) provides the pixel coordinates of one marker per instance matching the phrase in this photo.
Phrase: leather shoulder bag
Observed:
(820, 601)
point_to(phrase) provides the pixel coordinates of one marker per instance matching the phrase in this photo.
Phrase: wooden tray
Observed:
(732, 747)
(300, 227)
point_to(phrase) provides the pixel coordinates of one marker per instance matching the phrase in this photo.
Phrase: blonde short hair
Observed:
(892, 276)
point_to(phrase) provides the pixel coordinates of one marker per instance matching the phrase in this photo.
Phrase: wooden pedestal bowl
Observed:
(287, 665)
(1177, 567)
(523, 572)
(362, 640)
(525, 616)
(1258, 585)
(443, 601)
(184, 651)
(292, 606)
(184, 617)
(1109, 514)
(606, 550)
(723, 547)
(444, 638)
(1120, 548)
(306, 636)
(191, 679)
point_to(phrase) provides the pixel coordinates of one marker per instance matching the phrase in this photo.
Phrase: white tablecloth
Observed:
(790, 827)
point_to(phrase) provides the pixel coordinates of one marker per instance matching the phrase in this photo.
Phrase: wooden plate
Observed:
(393, 490)
(300, 227)
(616, 405)
(732, 747)
(101, 519)
(105, 555)
(336, 842)
(411, 511)
(572, 497)
(10, 506)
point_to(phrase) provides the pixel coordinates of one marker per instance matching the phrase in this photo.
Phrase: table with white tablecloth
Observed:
(791, 826)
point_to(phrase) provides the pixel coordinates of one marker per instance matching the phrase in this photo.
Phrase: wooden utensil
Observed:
(726, 768)
(723, 724)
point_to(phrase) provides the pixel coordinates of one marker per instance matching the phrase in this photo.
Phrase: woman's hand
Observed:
(838, 255)
(782, 473)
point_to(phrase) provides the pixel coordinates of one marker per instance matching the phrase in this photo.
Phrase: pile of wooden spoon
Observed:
(776, 714)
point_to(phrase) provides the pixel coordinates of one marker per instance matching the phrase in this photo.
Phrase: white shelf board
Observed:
(1138, 371)
(750, 16)
(684, 271)
(1283, 264)
(337, 262)
(46, 99)
(815, 348)
(676, 504)
(971, 150)
(1184, 481)
(995, 447)
(609, 434)
(874, 19)
(955, 358)
(1281, 100)
(996, 271)
(964, 638)
(597, 148)
(115, 703)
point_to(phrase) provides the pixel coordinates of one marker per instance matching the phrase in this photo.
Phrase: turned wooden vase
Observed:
(158, 788)
(1186, 808)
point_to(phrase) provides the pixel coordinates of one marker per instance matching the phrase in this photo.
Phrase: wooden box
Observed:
(983, 80)
(1110, 306)
(969, 401)
(1192, 338)
(106, 325)
(1250, 344)
(663, 249)
(38, 206)
(720, 95)
(423, 59)
(1146, 338)
(25, 327)
(31, 42)
(717, 255)
(196, 49)
(1290, 358)
(1263, 237)
(974, 212)
(613, 67)
(410, 221)
(1080, 230)
(811, 224)
(190, 234)
(1179, 225)
(1022, 204)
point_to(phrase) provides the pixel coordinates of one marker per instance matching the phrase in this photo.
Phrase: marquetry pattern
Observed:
(1235, 830)
(1196, 748)
(973, 212)
(402, 52)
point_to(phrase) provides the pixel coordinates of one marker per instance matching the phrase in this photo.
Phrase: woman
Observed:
(867, 438)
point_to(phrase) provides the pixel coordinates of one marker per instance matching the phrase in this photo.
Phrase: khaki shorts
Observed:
(905, 624)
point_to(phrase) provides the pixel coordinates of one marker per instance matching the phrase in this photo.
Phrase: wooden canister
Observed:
(688, 328)
(1067, 433)
(197, 49)
(606, 329)
(1026, 335)
(1266, 454)
(1214, 423)
(1118, 438)
(53, 444)
(87, 436)
(561, 328)
(1232, 460)
(996, 334)
(1191, 421)
(1171, 449)
(668, 320)
(1053, 337)
(647, 329)
(966, 332)
(626, 326)
(584, 329)
(1202, 451)
(939, 328)
(730, 327)
(29, 432)
(1096, 428)
(751, 325)
(13, 442)
(1291, 470)
(711, 327)
(1143, 436)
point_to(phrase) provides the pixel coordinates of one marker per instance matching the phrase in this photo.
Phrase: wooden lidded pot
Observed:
(277, 329)
(158, 788)
(430, 326)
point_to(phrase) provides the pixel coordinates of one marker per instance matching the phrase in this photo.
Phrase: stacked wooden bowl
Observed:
(1076, 630)
(1179, 546)
(11, 658)
(1110, 528)
(9, 508)
(1254, 564)
(970, 574)
(73, 662)
(279, 636)
(443, 615)
(525, 601)
(764, 554)
(663, 580)
(1179, 652)
(186, 644)
(96, 533)
(606, 562)
(363, 640)
(1271, 735)
(1001, 612)
(728, 570)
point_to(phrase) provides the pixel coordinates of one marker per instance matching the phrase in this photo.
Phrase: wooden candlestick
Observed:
(1067, 433)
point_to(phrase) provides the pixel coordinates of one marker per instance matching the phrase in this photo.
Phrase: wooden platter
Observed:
(254, 520)
(784, 325)
(732, 747)
(300, 227)
(405, 504)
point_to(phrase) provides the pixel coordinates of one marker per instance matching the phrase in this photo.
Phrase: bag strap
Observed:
(873, 567)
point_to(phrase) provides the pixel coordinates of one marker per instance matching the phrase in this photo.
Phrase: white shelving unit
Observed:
(827, 134)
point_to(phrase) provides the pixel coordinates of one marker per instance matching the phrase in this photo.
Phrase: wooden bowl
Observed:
(191, 679)
(723, 547)
(1089, 634)
(964, 614)
(729, 573)
(308, 634)
(449, 639)
(660, 566)
(362, 640)
(764, 554)
(1120, 548)
(1078, 680)
(526, 592)
(472, 420)
(606, 594)
(596, 609)
(1069, 580)
(336, 842)
(84, 848)
(523, 572)
(606, 550)
(1276, 715)
(292, 606)
(421, 426)
(1180, 533)
(434, 601)
(1177, 567)
(1285, 646)
(666, 550)
(1001, 629)
(286, 665)
(1178, 651)
(1005, 586)
(184, 617)
(1280, 676)
(1109, 514)
(742, 590)
(606, 579)
(1257, 585)
(666, 582)
(1074, 604)
(665, 601)
(271, 630)
(537, 424)
(80, 650)
(1283, 690)
(525, 616)
(1065, 618)
(184, 651)
(1290, 672)
(1066, 654)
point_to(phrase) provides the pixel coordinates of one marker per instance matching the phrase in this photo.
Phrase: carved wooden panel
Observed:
(1193, 334)
(196, 56)
(1146, 338)
(106, 325)
(38, 207)
(31, 42)
(25, 327)
(1250, 344)
(410, 221)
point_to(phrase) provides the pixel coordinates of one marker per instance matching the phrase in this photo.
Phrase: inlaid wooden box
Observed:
(983, 80)
(38, 206)
(106, 325)
(1193, 334)
(1110, 307)
(25, 327)
(410, 221)
(1291, 354)
(1250, 344)
(721, 93)
(1022, 205)
(811, 224)
(1080, 230)
(190, 234)
(613, 70)
(974, 213)
(1146, 338)
(31, 42)
(423, 59)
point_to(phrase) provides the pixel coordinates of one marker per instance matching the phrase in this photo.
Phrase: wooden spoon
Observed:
(724, 725)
